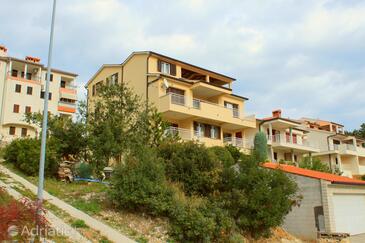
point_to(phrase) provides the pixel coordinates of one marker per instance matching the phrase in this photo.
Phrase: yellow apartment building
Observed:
(336, 149)
(22, 85)
(198, 103)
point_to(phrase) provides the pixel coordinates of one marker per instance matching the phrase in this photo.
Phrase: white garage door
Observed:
(349, 212)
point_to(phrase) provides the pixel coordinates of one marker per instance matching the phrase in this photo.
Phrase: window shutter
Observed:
(159, 65)
(173, 69)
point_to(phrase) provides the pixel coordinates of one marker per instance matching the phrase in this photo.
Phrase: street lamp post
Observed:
(45, 113)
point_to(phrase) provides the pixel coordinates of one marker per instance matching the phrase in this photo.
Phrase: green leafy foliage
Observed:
(193, 165)
(223, 155)
(358, 132)
(314, 163)
(79, 223)
(204, 200)
(119, 123)
(140, 184)
(67, 137)
(83, 170)
(259, 198)
(260, 147)
(25, 154)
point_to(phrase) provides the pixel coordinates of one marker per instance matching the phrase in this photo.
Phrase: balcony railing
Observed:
(182, 100)
(34, 78)
(285, 139)
(344, 146)
(183, 133)
(67, 104)
(238, 142)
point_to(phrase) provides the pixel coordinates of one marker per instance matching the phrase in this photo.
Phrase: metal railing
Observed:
(183, 133)
(179, 99)
(284, 139)
(69, 104)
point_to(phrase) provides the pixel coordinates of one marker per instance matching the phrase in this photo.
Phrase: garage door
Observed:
(349, 212)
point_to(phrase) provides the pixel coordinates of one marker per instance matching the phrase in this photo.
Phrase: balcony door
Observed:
(233, 107)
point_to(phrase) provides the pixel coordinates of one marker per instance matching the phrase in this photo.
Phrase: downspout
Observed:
(4, 92)
(147, 84)
(329, 149)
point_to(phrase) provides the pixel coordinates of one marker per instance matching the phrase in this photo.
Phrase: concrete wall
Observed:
(301, 220)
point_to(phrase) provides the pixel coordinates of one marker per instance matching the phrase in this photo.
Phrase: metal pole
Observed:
(45, 112)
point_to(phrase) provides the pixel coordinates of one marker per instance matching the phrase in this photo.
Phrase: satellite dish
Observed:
(165, 84)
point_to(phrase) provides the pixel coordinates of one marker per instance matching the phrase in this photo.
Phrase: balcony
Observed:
(66, 107)
(285, 142)
(345, 149)
(238, 142)
(68, 92)
(177, 106)
(34, 79)
(184, 134)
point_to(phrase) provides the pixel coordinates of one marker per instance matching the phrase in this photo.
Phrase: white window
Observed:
(165, 67)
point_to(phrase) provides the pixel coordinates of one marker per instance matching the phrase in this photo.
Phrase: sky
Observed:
(306, 57)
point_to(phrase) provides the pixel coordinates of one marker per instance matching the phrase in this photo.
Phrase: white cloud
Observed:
(303, 56)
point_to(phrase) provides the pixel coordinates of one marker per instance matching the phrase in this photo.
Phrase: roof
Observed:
(335, 179)
(267, 119)
(173, 59)
(320, 122)
(100, 69)
(38, 64)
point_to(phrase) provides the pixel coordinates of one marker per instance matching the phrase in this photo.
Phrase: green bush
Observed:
(314, 164)
(260, 147)
(140, 184)
(234, 151)
(259, 199)
(193, 165)
(25, 154)
(200, 223)
(79, 223)
(223, 155)
(84, 170)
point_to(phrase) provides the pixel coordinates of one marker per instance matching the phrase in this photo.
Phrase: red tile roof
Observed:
(314, 174)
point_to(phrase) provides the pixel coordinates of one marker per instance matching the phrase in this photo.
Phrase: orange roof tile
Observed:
(313, 174)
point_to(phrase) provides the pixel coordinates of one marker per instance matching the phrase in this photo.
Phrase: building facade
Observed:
(22, 87)
(339, 151)
(198, 103)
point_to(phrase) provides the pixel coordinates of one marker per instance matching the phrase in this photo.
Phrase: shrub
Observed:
(260, 198)
(193, 165)
(200, 223)
(25, 153)
(223, 155)
(234, 151)
(314, 164)
(83, 170)
(79, 223)
(260, 147)
(20, 214)
(140, 184)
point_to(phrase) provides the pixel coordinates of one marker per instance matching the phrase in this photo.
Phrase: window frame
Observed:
(12, 130)
(16, 88)
(16, 108)
(24, 132)
(31, 90)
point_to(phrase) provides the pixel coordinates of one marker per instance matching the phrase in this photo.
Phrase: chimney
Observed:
(276, 113)
(3, 51)
(32, 59)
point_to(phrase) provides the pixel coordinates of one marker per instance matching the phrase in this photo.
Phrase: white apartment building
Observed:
(336, 149)
(22, 85)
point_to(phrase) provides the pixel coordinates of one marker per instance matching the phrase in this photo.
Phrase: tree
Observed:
(120, 122)
(358, 132)
(260, 147)
(67, 137)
